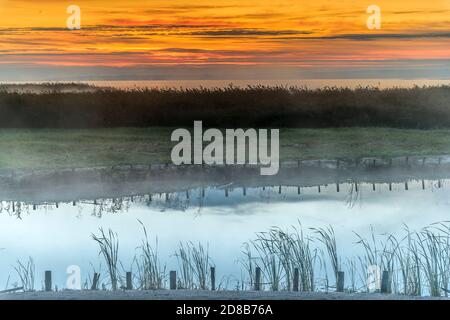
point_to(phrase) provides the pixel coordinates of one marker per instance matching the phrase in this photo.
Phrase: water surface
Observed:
(57, 237)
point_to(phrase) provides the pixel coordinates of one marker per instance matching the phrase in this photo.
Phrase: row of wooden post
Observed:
(299, 164)
(244, 191)
(385, 281)
(95, 281)
(173, 279)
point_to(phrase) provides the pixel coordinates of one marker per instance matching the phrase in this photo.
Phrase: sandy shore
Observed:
(202, 295)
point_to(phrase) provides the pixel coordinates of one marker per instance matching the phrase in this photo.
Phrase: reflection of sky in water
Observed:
(57, 238)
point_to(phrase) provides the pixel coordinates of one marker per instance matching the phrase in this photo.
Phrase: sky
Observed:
(223, 39)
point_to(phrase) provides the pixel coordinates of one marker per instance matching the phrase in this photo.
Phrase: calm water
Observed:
(59, 237)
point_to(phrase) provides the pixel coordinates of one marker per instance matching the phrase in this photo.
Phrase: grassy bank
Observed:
(256, 107)
(54, 148)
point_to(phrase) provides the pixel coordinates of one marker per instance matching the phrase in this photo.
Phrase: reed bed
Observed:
(417, 262)
(253, 106)
(194, 263)
(109, 249)
(278, 253)
(26, 274)
(434, 249)
(327, 237)
(151, 274)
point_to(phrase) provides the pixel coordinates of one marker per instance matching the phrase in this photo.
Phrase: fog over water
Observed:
(59, 237)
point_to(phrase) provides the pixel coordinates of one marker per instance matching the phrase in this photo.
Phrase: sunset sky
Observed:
(223, 39)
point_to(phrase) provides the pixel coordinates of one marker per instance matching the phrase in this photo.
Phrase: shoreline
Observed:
(204, 295)
(71, 184)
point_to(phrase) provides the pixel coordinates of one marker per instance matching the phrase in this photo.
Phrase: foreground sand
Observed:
(201, 295)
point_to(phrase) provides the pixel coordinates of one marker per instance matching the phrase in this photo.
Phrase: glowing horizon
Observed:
(282, 35)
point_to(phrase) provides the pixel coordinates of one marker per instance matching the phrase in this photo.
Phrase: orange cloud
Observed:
(230, 32)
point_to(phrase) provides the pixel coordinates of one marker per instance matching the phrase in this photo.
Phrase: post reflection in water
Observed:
(58, 234)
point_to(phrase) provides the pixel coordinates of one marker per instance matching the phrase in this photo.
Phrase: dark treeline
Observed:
(258, 106)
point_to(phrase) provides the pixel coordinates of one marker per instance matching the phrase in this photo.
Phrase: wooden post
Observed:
(439, 183)
(48, 280)
(373, 186)
(340, 282)
(74, 203)
(337, 187)
(244, 191)
(187, 194)
(203, 192)
(279, 190)
(356, 186)
(298, 190)
(213, 278)
(95, 281)
(173, 280)
(296, 279)
(318, 188)
(423, 184)
(129, 282)
(257, 278)
(386, 282)
(226, 193)
(406, 185)
(390, 186)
